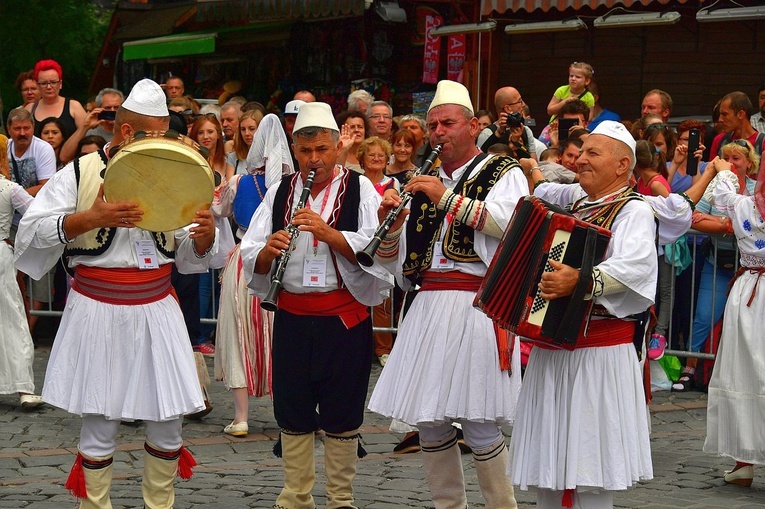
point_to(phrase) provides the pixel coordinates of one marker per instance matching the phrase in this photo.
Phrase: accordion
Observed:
(510, 295)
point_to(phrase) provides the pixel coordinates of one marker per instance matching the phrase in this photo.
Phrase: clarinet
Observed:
(366, 257)
(269, 302)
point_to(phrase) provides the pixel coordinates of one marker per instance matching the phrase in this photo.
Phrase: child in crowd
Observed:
(579, 77)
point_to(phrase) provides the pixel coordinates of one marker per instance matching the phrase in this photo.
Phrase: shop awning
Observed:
(502, 6)
(170, 46)
(253, 11)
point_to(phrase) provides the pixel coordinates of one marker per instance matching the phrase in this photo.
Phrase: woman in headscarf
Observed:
(243, 351)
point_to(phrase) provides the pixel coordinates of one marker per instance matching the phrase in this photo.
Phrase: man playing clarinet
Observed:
(449, 364)
(582, 427)
(322, 335)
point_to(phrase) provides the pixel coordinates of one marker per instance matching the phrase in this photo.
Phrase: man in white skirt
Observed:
(448, 364)
(582, 427)
(122, 352)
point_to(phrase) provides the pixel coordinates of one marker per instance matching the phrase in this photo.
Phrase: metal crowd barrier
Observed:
(694, 246)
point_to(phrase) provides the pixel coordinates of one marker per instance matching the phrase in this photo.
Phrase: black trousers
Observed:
(320, 372)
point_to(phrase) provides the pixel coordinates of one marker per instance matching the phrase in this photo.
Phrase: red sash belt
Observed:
(123, 286)
(451, 280)
(335, 303)
(605, 332)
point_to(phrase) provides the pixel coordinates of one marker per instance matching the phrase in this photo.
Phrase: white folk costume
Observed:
(736, 407)
(16, 348)
(243, 349)
(322, 341)
(582, 424)
(445, 366)
(122, 352)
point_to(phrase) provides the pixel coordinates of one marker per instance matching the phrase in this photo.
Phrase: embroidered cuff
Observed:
(603, 284)
(467, 210)
(688, 199)
(389, 246)
(62, 237)
(540, 182)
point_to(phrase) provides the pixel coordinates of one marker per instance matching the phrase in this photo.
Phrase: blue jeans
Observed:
(205, 303)
(710, 304)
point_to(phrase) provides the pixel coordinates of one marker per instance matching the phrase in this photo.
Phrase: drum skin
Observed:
(168, 179)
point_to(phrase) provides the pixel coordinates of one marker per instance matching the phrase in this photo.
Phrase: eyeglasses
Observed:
(46, 84)
(28, 89)
(658, 126)
(380, 117)
(519, 101)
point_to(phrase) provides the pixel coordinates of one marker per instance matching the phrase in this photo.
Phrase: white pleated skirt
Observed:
(123, 362)
(582, 421)
(736, 404)
(16, 348)
(444, 365)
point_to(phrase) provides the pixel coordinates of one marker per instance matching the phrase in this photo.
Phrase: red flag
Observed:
(455, 57)
(432, 50)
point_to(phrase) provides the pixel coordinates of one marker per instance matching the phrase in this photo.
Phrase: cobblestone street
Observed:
(38, 449)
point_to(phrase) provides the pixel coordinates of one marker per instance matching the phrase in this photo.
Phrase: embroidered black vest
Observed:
(603, 214)
(425, 220)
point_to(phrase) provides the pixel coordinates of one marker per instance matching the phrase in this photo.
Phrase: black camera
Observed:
(515, 119)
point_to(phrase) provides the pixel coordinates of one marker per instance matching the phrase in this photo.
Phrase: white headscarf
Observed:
(270, 148)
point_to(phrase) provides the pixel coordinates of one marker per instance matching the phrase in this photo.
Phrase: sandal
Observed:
(684, 383)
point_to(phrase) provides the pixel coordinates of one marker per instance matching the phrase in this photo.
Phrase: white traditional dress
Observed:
(124, 362)
(736, 407)
(582, 416)
(444, 365)
(16, 348)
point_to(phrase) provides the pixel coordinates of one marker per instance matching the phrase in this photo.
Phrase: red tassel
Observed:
(503, 347)
(186, 464)
(568, 498)
(75, 483)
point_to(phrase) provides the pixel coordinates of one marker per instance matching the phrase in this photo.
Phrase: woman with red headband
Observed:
(50, 80)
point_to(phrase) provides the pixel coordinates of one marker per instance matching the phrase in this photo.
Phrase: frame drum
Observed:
(168, 178)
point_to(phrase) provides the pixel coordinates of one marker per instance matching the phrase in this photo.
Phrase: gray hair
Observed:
(311, 132)
(232, 105)
(416, 118)
(357, 96)
(105, 91)
(210, 108)
(466, 112)
(20, 114)
(379, 103)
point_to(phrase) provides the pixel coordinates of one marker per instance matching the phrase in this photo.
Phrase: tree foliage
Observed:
(68, 31)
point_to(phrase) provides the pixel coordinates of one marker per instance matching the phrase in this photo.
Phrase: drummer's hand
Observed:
(204, 231)
(428, 184)
(113, 215)
(390, 202)
(559, 283)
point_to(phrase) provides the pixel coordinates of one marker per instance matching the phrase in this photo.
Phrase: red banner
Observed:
(432, 54)
(455, 57)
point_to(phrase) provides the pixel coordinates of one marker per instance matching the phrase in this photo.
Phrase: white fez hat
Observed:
(293, 107)
(147, 98)
(315, 115)
(451, 92)
(616, 131)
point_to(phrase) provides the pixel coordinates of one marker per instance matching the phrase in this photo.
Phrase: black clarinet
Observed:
(269, 302)
(366, 257)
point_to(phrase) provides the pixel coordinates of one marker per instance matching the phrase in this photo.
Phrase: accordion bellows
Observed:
(510, 295)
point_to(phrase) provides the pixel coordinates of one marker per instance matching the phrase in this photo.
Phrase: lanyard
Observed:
(321, 213)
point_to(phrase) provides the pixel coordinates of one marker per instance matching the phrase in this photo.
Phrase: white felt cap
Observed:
(451, 92)
(293, 107)
(315, 115)
(147, 98)
(617, 131)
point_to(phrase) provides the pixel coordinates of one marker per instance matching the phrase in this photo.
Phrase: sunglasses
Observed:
(740, 143)
(657, 127)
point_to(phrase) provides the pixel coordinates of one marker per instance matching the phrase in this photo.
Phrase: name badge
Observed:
(147, 254)
(439, 260)
(315, 271)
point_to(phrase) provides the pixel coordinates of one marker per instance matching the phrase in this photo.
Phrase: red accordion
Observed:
(510, 295)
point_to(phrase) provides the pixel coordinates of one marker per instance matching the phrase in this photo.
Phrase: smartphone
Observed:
(692, 164)
(107, 115)
(564, 126)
